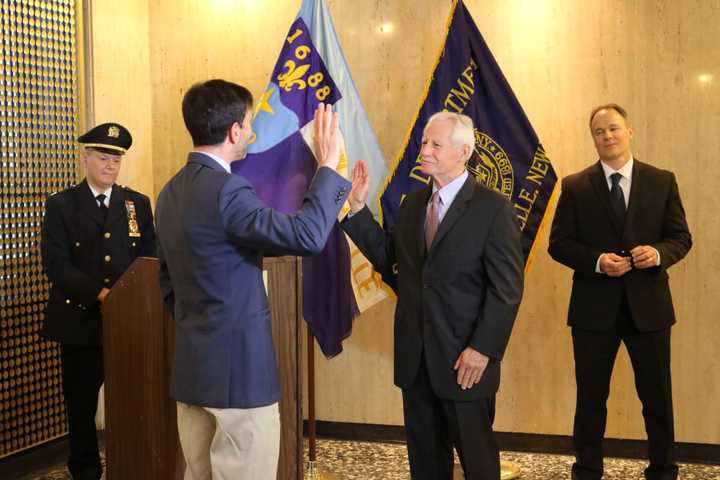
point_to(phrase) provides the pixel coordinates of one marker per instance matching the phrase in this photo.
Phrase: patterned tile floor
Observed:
(383, 461)
(388, 461)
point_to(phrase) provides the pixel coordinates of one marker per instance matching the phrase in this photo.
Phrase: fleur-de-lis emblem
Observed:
(292, 77)
(113, 132)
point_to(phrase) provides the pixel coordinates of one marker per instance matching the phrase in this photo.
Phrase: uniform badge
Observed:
(133, 227)
(113, 132)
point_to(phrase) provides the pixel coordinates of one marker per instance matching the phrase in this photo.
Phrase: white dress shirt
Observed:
(220, 161)
(448, 193)
(625, 186)
(625, 179)
(98, 192)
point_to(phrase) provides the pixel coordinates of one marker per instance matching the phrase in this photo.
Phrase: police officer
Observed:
(91, 234)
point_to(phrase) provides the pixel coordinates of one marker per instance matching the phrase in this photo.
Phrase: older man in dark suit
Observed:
(620, 225)
(91, 234)
(455, 261)
(213, 231)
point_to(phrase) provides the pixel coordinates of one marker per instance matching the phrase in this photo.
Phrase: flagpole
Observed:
(314, 472)
(312, 454)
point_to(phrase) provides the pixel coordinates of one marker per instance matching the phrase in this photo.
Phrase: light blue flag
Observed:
(311, 68)
(360, 140)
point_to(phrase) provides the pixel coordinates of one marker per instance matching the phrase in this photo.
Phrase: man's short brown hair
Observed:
(623, 113)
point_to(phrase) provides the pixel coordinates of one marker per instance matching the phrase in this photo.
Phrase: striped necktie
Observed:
(433, 219)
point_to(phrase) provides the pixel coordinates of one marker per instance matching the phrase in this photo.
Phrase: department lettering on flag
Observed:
(508, 156)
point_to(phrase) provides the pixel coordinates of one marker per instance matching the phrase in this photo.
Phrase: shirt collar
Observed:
(220, 161)
(450, 191)
(98, 192)
(625, 171)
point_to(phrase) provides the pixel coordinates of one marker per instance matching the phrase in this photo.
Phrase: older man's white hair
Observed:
(463, 132)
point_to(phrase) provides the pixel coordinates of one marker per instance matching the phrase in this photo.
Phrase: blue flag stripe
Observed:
(280, 164)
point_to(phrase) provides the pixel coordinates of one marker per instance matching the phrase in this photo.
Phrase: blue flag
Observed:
(280, 164)
(508, 156)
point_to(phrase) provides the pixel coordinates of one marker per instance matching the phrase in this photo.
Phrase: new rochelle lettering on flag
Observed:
(508, 156)
(280, 164)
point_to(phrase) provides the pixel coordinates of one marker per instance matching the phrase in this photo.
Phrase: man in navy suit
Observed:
(212, 233)
(620, 225)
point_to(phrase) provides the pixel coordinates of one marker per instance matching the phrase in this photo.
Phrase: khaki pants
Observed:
(229, 443)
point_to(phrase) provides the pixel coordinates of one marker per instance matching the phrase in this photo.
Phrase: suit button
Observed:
(77, 244)
(67, 301)
(108, 258)
(107, 235)
(106, 280)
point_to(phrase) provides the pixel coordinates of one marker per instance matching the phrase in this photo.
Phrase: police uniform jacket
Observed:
(82, 253)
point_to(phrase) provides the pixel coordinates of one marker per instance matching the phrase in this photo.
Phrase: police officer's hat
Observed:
(107, 136)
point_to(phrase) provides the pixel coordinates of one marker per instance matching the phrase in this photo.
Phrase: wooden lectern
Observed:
(141, 441)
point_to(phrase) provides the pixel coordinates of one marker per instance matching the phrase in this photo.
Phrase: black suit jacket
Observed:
(584, 227)
(464, 292)
(81, 254)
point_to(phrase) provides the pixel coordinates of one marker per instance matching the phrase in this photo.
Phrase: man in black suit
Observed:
(91, 234)
(455, 261)
(620, 225)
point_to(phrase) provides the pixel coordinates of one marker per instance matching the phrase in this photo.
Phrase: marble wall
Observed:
(120, 81)
(660, 59)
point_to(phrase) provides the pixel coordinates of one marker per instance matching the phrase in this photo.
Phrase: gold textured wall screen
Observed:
(38, 112)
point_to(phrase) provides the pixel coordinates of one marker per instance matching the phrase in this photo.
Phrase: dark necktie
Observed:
(617, 200)
(433, 219)
(103, 208)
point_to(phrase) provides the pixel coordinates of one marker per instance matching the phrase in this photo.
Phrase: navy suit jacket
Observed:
(212, 233)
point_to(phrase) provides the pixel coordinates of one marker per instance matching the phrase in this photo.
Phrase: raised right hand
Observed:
(327, 137)
(360, 186)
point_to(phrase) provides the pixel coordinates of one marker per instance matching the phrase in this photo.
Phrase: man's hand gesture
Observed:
(328, 139)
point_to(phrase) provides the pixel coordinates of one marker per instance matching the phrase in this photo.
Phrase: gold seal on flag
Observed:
(491, 166)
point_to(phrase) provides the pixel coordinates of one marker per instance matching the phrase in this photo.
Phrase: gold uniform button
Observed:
(77, 244)
(108, 258)
(67, 301)
(107, 235)
(133, 244)
(106, 280)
